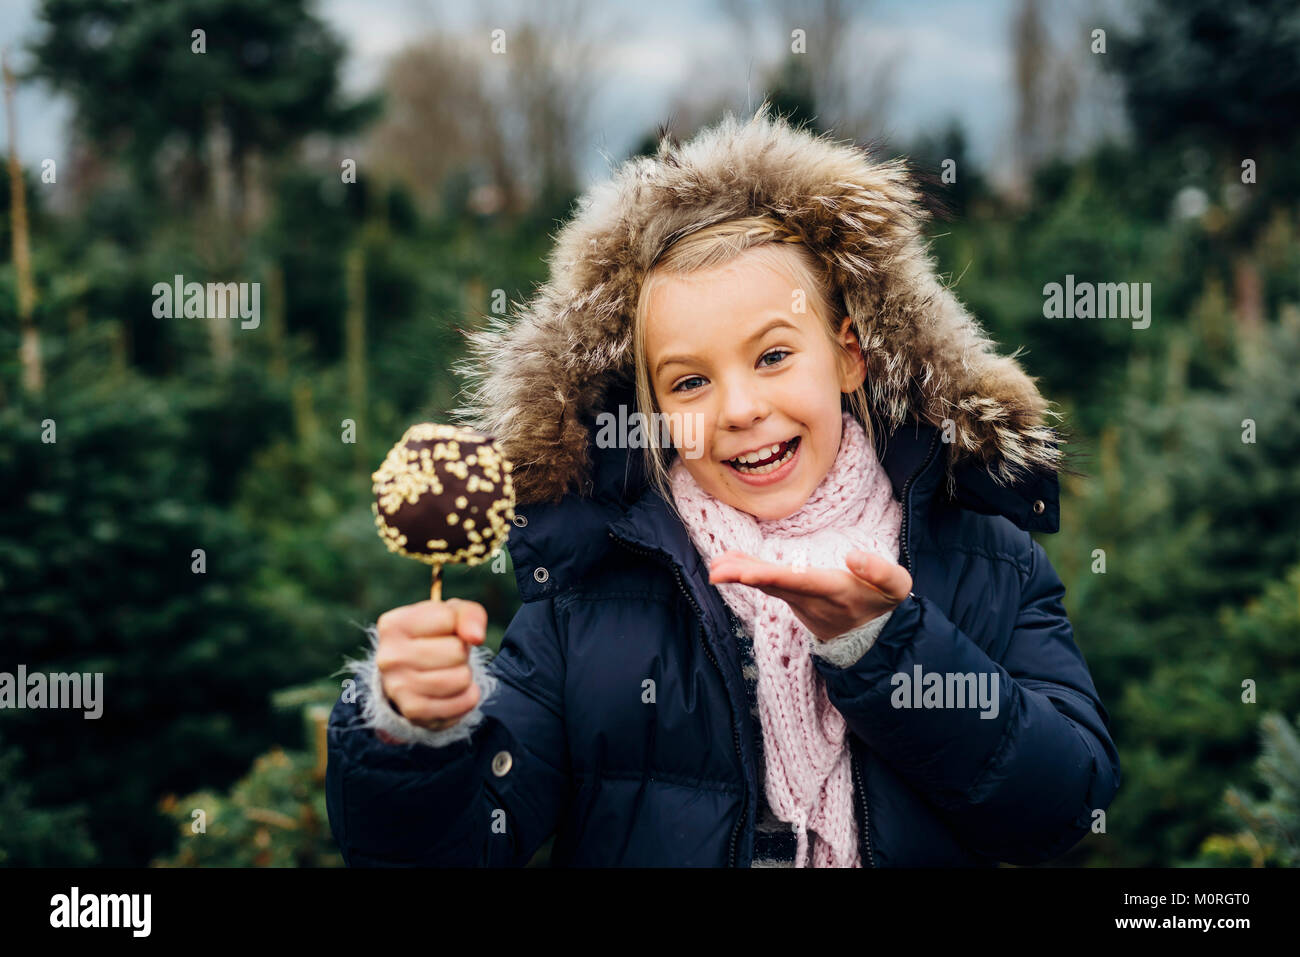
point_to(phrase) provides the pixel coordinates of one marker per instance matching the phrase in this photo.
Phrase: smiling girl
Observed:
(710, 661)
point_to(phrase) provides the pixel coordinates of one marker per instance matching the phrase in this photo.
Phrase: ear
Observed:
(852, 365)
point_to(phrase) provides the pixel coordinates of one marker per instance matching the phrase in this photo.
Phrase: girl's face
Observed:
(727, 347)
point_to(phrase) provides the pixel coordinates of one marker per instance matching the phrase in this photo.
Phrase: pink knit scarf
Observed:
(809, 783)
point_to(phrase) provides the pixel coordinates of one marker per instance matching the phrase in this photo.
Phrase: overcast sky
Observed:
(953, 60)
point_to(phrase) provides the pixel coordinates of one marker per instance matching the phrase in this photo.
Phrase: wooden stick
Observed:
(435, 591)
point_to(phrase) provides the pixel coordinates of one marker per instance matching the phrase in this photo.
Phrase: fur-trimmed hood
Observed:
(538, 380)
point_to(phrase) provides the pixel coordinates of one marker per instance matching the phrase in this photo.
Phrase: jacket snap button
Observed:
(1039, 506)
(501, 763)
(541, 574)
(521, 520)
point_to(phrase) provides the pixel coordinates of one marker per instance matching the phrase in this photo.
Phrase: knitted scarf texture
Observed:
(809, 782)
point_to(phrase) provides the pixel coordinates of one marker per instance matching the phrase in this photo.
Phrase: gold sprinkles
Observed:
(425, 491)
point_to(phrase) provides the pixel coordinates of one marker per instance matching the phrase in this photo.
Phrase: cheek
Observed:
(691, 431)
(812, 396)
(708, 475)
(828, 423)
(814, 405)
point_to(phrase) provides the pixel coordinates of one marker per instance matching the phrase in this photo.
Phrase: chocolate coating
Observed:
(443, 496)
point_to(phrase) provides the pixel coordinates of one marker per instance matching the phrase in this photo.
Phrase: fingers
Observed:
(405, 686)
(424, 696)
(439, 682)
(733, 553)
(455, 616)
(436, 712)
(736, 567)
(886, 578)
(420, 653)
(802, 581)
(423, 659)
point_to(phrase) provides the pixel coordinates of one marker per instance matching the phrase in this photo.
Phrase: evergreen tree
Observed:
(1271, 826)
(115, 559)
(258, 78)
(1187, 512)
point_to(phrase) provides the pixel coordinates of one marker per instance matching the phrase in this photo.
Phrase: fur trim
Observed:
(536, 383)
(379, 715)
(846, 650)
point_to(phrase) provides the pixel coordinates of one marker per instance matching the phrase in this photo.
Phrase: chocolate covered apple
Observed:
(442, 496)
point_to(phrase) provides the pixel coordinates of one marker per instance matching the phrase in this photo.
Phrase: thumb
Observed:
(881, 574)
(471, 621)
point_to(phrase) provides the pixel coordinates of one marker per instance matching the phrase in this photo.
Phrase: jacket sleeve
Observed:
(486, 792)
(849, 647)
(1020, 785)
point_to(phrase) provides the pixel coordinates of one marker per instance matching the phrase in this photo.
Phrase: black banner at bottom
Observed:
(214, 906)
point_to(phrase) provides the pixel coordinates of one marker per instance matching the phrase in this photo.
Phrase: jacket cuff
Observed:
(848, 648)
(391, 726)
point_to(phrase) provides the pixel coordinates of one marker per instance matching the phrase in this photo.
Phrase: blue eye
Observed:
(784, 352)
(780, 352)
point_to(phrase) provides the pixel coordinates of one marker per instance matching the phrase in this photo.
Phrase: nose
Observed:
(741, 407)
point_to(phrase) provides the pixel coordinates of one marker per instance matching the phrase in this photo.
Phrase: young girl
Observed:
(781, 606)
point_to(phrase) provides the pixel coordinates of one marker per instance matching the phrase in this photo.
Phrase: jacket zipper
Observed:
(907, 511)
(862, 797)
(853, 758)
(735, 735)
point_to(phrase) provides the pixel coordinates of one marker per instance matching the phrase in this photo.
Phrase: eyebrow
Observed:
(685, 360)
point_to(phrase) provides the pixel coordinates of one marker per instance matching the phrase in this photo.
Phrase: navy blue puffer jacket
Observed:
(614, 594)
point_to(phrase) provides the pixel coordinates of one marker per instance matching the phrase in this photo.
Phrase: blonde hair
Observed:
(774, 245)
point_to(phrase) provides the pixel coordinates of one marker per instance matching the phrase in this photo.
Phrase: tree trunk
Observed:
(1248, 294)
(29, 350)
(355, 340)
(275, 326)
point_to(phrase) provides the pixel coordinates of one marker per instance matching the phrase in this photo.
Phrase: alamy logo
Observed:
(634, 431)
(1106, 300)
(216, 300)
(946, 689)
(58, 690)
(102, 910)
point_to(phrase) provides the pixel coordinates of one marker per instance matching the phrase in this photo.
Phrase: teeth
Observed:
(764, 469)
(758, 455)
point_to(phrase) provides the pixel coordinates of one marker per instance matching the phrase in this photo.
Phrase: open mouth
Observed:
(766, 460)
